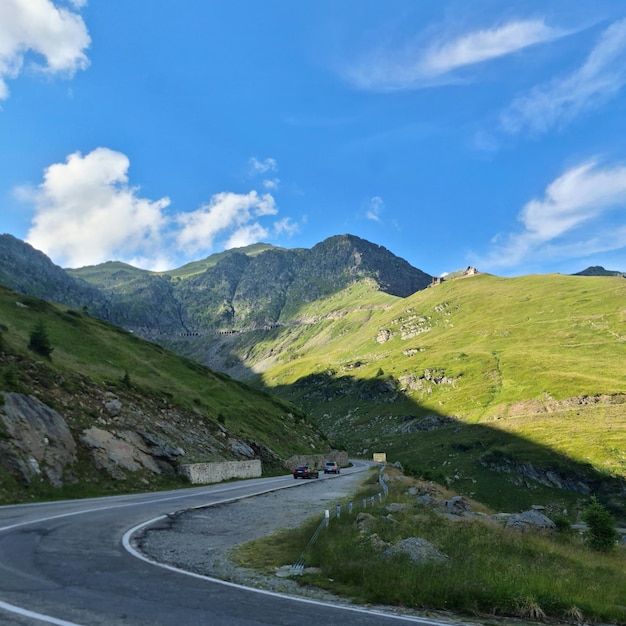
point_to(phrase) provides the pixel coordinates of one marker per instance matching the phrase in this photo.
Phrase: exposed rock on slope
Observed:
(95, 434)
(36, 442)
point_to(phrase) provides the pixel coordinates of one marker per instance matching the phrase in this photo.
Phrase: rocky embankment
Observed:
(75, 430)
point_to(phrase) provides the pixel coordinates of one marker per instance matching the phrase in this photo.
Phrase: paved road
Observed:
(65, 563)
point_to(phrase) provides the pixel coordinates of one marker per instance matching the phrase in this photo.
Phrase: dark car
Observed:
(304, 471)
(330, 467)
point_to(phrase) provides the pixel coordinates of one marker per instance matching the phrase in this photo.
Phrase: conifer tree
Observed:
(601, 533)
(39, 340)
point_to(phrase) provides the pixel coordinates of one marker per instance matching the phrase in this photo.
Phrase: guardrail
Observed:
(298, 567)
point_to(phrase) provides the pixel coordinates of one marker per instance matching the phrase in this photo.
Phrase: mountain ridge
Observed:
(252, 287)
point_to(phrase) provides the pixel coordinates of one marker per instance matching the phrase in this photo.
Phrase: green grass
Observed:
(526, 336)
(490, 571)
(535, 364)
(87, 350)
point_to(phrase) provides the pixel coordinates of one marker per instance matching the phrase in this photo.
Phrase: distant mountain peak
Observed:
(598, 270)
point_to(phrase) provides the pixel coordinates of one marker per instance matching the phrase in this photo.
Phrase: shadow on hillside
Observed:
(493, 466)
(217, 351)
(503, 470)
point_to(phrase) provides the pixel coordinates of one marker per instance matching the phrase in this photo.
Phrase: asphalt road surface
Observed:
(69, 564)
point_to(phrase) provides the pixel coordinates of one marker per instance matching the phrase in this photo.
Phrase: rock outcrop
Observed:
(35, 441)
(40, 444)
(532, 521)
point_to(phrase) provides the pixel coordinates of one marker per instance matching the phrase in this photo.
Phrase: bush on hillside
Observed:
(39, 340)
(601, 533)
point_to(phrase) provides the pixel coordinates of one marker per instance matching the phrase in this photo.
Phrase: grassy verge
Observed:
(489, 570)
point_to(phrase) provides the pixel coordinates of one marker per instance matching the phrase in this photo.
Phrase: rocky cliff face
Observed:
(36, 442)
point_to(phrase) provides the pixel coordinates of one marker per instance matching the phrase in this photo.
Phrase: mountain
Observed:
(108, 411)
(246, 288)
(510, 390)
(481, 382)
(598, 270)
(31, 272)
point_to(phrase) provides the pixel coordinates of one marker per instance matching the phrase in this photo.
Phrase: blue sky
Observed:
(450, 132)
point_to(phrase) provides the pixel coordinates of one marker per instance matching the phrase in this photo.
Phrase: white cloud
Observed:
(225, 211)
(261, 167)
(40, 27)
(600, 78)
(285, 226)
(420, 66)
(585, 195)
(86, 213)
(271, 184)
(246, 235)
(375, 208)
(486, 44)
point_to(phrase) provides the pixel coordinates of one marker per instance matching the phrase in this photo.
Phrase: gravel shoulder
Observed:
(200, 540)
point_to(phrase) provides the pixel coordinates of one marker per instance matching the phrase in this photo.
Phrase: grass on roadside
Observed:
(489, 570)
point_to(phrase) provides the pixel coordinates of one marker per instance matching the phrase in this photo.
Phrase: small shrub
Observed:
(39, 340)
(563, 525)
(10, 377)
(601, 533)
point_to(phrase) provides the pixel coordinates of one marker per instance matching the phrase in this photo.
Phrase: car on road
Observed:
(304, 471)
(330, 467)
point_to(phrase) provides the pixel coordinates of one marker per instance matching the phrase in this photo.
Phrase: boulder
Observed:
(397, 507)
(417, 549)
(457, 505)
(118, 453)
(365, 521)
(37, 442)
(530, 521)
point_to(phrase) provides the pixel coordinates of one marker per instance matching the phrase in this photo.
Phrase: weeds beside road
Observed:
(490, 571)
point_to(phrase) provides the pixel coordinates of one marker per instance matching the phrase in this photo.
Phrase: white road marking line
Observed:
(42, 618)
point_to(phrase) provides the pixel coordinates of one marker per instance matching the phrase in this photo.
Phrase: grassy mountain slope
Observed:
(88, 352)
(482, 381)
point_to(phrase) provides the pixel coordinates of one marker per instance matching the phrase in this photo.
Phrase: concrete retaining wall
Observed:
(203, 473)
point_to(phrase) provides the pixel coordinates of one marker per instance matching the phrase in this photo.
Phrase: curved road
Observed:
(67, 563)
